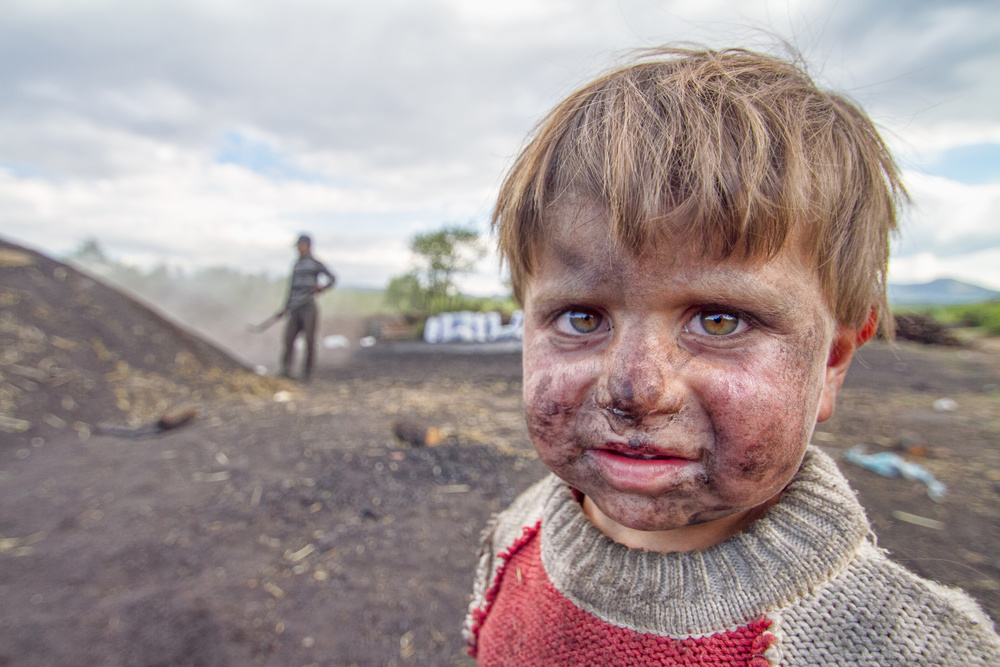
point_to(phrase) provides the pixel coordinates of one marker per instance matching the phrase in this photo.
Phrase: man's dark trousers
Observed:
(301, 320)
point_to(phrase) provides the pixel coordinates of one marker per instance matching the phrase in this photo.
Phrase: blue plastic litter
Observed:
(889, 464)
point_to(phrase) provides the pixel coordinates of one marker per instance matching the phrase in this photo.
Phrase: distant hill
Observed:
(943, 291)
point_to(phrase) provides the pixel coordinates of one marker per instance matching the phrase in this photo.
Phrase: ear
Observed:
(845, 343)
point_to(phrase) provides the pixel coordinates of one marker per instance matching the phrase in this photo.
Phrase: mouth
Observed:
(640, 457)
(640, 467)
(641, 451)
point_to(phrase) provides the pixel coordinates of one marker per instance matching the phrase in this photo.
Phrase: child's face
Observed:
(674, 390)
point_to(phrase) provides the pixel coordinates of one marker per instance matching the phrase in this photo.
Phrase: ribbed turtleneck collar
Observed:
(808, 536)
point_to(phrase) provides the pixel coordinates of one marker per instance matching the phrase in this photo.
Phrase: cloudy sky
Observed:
(196, 133)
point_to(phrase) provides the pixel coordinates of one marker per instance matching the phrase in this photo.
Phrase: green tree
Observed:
(439, 256)
(405, 293)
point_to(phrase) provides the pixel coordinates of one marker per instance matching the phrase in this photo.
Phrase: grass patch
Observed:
(983, 316)
(355, 301)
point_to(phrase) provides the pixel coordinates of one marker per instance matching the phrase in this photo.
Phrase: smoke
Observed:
(219, 304)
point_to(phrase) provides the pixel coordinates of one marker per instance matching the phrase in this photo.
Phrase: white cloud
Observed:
(404, 114)
(950, 231)
(978, 268)
(949, 218)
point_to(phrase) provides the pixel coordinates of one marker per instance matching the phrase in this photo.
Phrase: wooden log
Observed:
(417, 434)
(177, 416)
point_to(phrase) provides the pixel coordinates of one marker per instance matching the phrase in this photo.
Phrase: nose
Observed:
(640, 377)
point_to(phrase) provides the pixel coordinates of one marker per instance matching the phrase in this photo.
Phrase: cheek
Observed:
(555, 396)
(545, 414)
(766, 458)
(762, 417)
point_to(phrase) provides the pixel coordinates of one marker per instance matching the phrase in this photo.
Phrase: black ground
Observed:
(286, 525)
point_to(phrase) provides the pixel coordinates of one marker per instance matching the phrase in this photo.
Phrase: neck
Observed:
(698, 537)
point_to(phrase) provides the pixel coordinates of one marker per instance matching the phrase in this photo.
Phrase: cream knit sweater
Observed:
(810, 566)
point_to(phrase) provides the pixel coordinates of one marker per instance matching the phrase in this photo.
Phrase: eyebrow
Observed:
(767, 309)
(569, 257)
(587, 275)
(768, 302)
(745, 292)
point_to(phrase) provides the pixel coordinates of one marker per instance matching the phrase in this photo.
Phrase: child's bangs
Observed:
(663, 175)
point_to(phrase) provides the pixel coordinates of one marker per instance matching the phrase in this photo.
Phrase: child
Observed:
(700, 241)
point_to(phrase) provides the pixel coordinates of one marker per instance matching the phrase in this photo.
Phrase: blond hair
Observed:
(729, 149)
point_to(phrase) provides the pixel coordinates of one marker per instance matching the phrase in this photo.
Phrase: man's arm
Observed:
(331, 279)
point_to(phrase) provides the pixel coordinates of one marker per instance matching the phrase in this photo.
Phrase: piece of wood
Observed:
(178, 415)
(417, 434)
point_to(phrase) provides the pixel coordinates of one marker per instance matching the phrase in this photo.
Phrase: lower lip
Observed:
(648, 475)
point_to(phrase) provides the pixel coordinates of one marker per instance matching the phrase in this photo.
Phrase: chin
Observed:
(643, 514)
(651, 515)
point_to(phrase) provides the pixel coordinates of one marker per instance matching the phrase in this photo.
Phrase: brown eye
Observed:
(581, 322)
(719, 324)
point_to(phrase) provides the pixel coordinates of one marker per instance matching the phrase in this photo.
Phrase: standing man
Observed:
(301, 306)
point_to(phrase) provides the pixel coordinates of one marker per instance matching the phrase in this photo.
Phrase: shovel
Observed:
(292, 305)
(266, 324)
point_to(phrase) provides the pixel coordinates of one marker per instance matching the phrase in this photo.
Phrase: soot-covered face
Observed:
(674, 390)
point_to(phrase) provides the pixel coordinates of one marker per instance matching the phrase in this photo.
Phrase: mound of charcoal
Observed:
(75, 353)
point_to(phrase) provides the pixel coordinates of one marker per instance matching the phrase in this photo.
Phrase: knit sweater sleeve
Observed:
(877, 612)
(503, 534)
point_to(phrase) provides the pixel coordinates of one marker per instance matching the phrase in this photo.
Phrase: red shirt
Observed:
(526, 621)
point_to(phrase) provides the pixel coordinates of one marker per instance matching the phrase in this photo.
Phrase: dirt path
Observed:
(267, 533)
